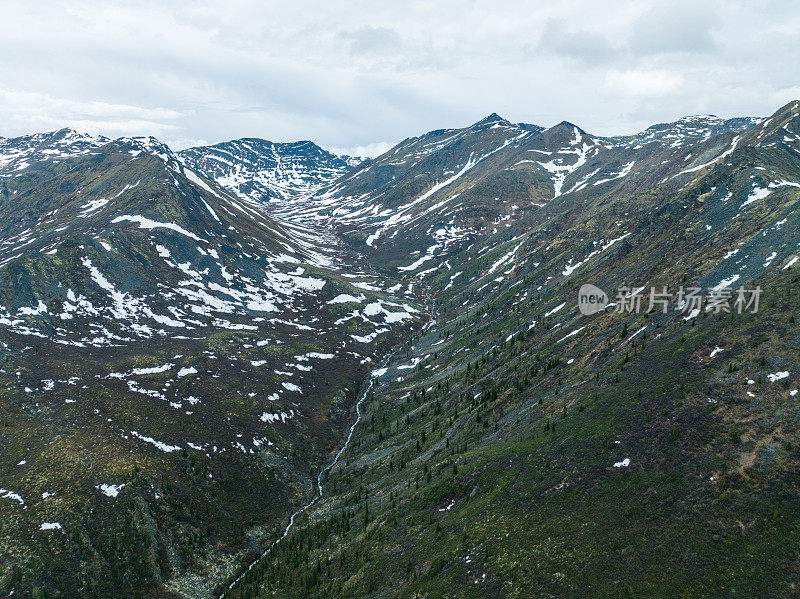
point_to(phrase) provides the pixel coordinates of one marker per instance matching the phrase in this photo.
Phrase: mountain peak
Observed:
(530, 127)
(492, 119)
(20, 152)
(787, 117)
(788, 111)
(791, 106)
(69, 134)
(564, 129)
(569, 125)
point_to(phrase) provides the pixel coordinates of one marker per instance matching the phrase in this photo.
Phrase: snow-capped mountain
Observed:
(519, 447)
(451, 185)
(17, 154)
(264, 171)
(137, 297)
(685, 129)
(185, 338)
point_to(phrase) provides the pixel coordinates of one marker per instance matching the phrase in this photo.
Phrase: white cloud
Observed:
(41, 111)
(368, 151)
(346, 74)
(642, 83)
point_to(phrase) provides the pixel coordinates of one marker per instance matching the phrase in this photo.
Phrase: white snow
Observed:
(636, 333)
(568, 335)
(109, 490)
(622, 173)
(417, 263)
(569, 268)
(277, 416)
(554, 310)
(758, 193)
(343, 298)
(5, 494)
(146, 223)
(159, 444)
(41, 308)
(152, 369)
(724, 283)
(778, 376)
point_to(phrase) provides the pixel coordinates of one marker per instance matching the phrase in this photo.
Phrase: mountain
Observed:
(264, 171)
(474, 431)
(449, 187)
(517, 447)
(432, 187)
(689, 127)
(177, 366)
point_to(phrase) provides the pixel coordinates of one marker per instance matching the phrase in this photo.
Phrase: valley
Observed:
(196, 345)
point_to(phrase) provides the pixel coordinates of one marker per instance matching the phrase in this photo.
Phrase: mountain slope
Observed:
(518, 447)
(177, 366)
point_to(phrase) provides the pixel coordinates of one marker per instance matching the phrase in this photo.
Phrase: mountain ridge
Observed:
(180, 358)
(265, 171)
(643, 440)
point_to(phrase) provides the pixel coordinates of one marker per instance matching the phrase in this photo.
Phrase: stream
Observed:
(320, 489)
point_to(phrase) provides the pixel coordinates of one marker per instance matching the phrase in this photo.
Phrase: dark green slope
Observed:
(518, 448)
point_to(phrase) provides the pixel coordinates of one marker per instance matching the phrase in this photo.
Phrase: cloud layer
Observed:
(360, 75)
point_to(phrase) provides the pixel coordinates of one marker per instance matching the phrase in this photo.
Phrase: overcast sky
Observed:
(360, 76)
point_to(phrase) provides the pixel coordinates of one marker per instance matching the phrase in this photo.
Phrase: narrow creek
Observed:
(320, 489)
